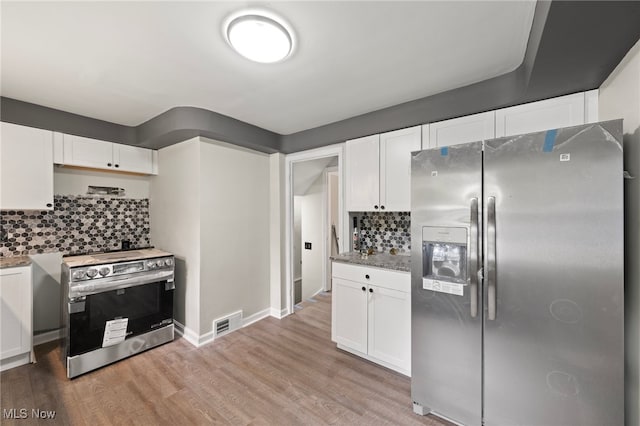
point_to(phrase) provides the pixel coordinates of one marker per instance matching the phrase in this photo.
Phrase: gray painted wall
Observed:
(18, 112)
(573, 46)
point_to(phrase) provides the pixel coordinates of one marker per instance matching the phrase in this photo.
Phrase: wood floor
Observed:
(274, 372)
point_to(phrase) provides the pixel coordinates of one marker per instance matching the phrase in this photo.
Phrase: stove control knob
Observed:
(104, 271)
(78, 275)
(151, 264)
(92, 272)
(168, 262)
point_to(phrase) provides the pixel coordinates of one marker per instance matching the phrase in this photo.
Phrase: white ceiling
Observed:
(126, 62)
(305, 173)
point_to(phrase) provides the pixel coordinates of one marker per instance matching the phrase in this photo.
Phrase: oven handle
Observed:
(95, 287)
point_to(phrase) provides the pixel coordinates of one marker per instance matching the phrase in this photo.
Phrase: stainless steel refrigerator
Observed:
(517, 279)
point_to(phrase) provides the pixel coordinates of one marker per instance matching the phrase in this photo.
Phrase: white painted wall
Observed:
(210, 206)
(620, 98)
(297, 237)
(312, 209)
(175, 223)
(235, 226)
(68, 181)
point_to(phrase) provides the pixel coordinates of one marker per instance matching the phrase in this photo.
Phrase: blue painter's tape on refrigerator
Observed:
(444, 151)
(549, 140)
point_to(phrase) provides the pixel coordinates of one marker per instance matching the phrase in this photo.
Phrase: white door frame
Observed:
(330, 171)
(336, 150)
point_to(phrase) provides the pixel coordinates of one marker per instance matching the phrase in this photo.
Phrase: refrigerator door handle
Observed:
(473, 258)
(491, 258)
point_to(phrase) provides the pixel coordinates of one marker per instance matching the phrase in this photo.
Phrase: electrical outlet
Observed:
(307, 246)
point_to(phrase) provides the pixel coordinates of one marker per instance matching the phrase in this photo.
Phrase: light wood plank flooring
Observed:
(274, 372)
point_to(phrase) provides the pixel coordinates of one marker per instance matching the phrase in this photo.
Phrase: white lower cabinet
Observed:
(15, 317)
(372, 314)
(389, 326)
(350, 314)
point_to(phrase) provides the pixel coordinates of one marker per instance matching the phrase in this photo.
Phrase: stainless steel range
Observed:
(115, 305)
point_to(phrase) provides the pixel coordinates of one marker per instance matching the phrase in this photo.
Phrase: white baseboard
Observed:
(199, 340)
(279, 314)
(15, 361)
(256, 317)
(191, 336)
(206, 338)
(48, 336)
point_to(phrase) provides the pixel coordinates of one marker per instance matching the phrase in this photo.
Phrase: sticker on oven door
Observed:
(115, 332)
(443, 287)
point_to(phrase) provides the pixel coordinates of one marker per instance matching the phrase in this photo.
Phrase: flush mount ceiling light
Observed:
(259, 36)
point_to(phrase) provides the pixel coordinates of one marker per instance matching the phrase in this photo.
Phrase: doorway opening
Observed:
(314, 222)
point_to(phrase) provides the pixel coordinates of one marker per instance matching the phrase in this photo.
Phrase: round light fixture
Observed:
(259, 36)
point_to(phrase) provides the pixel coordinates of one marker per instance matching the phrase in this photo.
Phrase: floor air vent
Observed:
(227, 324)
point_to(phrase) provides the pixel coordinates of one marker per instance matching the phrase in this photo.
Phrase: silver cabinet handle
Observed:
(473, 257)
(491, 258)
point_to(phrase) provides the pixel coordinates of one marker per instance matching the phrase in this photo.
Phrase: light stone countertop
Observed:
(396, 262)
(14, 262)
(119, 256)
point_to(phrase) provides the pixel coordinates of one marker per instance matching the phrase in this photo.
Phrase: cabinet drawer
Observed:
(394, 280)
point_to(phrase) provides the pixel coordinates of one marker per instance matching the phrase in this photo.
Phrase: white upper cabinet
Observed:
(133, 158)
(97, 154)
(26, 168)
(471, 128)
(378, 170)
(363, 173)
(591, 106)
(86, 152)
(552, 113)
(395, 168)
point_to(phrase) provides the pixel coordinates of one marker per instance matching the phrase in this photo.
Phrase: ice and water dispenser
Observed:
(444, 259)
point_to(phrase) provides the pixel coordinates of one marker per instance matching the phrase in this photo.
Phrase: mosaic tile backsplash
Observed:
(382, 231)
(78, 224)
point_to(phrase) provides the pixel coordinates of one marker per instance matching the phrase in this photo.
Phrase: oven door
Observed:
(146, 307)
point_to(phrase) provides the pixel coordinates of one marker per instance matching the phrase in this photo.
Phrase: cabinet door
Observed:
(472, 128)
(395, 167)
(543, 115)
(15, 312)
(350, 314)
(26, 168)
(132, 159)
(389, 333)
(86, 152)
(363, 174)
